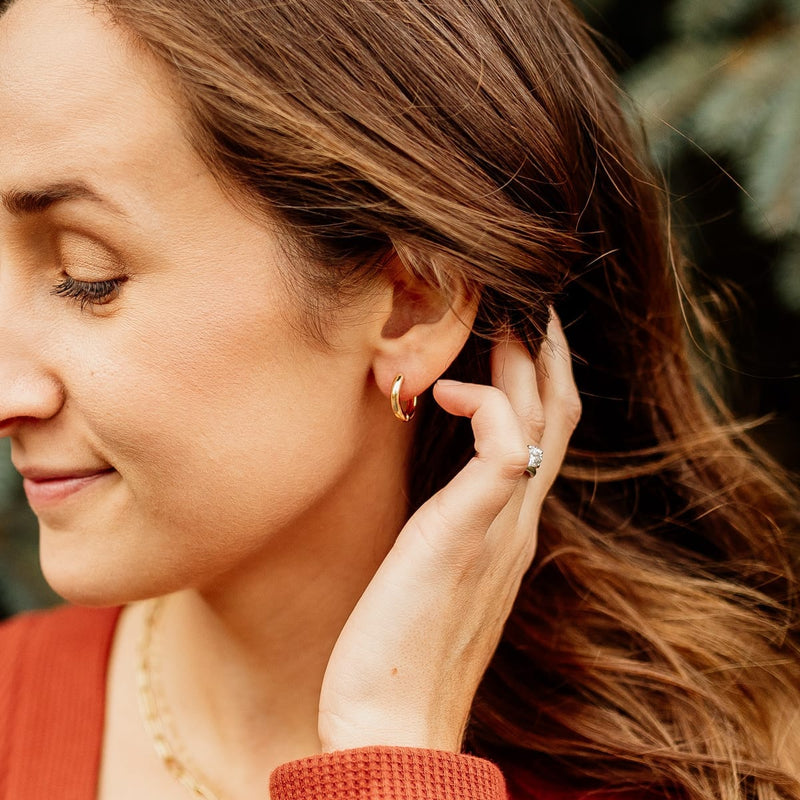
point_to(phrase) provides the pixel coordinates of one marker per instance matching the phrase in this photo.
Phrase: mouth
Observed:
(44, 489)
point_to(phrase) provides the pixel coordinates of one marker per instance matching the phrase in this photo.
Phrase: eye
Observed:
(95, 293)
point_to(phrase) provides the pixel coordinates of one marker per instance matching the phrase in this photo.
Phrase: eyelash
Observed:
(95, 293)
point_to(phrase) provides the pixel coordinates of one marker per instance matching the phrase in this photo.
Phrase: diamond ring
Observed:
(535, 455)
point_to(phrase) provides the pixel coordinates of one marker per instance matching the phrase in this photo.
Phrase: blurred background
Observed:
(717, 83)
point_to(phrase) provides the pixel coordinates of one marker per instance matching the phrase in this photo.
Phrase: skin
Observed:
(244, 478)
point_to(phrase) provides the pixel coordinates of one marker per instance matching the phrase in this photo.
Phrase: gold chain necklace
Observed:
(151, 711)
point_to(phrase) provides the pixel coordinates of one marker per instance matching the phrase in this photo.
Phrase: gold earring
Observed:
(407, 414)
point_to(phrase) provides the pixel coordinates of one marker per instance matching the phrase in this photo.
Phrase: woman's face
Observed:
(147, 339)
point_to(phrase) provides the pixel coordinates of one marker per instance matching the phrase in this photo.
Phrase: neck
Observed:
(241, 662)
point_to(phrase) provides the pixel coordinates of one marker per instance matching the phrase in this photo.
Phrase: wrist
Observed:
(367, 730)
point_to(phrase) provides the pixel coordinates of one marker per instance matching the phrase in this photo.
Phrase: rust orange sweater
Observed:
(52, 696)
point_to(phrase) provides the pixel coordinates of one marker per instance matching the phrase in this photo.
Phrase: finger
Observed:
(561, 405)
(514, 373)
(498, 435)
(558, 391)
(484, 487)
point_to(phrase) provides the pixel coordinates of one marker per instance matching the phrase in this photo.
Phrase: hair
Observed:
(654, 644)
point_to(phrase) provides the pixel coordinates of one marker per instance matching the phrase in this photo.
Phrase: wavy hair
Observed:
(653, 646)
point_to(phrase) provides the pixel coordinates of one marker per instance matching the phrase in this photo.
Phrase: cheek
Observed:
(223, 422)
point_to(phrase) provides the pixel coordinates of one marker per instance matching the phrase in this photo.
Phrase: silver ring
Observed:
(535, 455)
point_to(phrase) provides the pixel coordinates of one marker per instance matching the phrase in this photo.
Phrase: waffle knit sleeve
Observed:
(388, 773)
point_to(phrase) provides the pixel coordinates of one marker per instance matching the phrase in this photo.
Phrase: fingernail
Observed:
(448, 382)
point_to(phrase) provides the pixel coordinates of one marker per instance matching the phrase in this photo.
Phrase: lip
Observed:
(47, 487)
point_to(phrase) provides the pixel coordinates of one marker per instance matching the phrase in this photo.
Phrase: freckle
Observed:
(394, 670)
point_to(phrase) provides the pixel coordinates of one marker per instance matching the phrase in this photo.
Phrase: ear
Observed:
(422, 333)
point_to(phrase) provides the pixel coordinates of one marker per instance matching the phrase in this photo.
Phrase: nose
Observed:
(26, 394)
(28, 389)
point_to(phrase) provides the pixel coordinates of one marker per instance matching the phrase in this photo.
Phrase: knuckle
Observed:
(497, 395)
(532, 421)
(532, 414)
(513, 463)
(535, 431)
(573, 408)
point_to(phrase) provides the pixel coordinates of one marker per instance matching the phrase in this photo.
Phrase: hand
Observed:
(408, 662)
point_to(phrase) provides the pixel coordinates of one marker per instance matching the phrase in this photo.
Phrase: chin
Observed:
(84, 580)
(81, 589)
(86, 595)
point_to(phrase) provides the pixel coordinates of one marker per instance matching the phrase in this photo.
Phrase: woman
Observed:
(238, 241)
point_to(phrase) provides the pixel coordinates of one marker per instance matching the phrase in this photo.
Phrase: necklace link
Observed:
(151, 711)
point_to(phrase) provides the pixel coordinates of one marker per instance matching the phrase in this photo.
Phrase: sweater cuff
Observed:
(388, 773)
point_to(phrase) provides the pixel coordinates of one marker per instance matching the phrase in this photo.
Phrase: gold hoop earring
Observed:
(407, 414)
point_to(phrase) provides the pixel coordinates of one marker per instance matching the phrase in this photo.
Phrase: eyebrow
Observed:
(21, 202)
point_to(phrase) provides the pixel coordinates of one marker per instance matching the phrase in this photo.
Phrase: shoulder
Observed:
(34, 633)
(52, 677)
(44, 644)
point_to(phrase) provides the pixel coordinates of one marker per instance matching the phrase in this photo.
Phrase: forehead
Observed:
(77, 101)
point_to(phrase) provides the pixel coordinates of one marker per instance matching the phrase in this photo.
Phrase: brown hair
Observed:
(654, 643)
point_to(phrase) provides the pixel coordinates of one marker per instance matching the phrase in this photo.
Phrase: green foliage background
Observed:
(717, 83)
